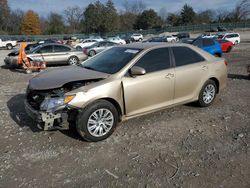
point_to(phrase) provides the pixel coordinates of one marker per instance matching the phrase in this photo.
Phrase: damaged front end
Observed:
(50, 107)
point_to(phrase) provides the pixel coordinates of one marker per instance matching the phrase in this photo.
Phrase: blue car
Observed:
(209, 45)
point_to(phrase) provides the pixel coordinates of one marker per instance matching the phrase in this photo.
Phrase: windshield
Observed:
(112, 60)
(33, 50)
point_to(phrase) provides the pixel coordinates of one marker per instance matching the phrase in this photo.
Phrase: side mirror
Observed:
(137, 71)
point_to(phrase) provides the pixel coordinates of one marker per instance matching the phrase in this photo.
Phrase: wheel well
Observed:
(116, 104)
(216, 82)
(8, 44)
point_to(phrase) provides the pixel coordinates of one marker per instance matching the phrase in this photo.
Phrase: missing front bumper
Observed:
(47, 120)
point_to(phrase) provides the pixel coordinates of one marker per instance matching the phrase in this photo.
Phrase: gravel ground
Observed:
(185, 146)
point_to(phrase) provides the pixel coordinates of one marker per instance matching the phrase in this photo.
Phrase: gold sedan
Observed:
(125, 82)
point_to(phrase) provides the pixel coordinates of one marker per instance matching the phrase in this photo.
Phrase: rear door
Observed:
(153, 90)
(61, 54)
(190, 71)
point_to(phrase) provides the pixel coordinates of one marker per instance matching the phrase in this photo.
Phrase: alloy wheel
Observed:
(209, 93)
(100, 122)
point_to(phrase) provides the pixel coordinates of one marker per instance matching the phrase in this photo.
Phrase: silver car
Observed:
(51, 53)
(98, 47)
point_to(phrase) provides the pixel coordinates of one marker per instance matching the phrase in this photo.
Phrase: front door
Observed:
(153, 90)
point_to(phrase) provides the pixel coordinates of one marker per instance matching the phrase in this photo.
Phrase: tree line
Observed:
(100, 17)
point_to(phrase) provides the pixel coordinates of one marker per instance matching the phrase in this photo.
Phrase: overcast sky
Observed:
(44, 7)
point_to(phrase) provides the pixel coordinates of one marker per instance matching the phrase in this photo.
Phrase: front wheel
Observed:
(207, 93)
(97, 121)
(9, 46)
(236, 42)
(73, 60)
(92, 53)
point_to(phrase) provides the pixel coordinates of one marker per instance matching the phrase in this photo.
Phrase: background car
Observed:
(209, 45)
(157, 39)
(7, 43)
(221, 28)
(85, 43)
(182, 35)
(52, 54)
(170, 38)
(97, 38)
(116, 39)
(226, 45)
(98, 47)
(136, 37)
(232, 37)
(127, 38)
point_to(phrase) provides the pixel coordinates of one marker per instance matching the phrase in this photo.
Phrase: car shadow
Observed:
(19, 115)
(238, 76)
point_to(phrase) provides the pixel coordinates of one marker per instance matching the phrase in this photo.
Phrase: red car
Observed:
(226, 45)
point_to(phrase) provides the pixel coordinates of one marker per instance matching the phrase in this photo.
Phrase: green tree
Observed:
(55, 24)
(4, 15)
(187, 15)
(30, 24)
(148, 19)
(174, 19)
(111, 17)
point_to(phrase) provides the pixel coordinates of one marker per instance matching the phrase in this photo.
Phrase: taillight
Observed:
(225, 62)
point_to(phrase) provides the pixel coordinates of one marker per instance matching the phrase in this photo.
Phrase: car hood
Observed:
(51, 79)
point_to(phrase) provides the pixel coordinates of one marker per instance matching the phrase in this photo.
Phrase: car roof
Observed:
(57, 44)
(148, 45)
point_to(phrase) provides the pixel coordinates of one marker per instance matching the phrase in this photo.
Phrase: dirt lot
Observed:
(185, 146)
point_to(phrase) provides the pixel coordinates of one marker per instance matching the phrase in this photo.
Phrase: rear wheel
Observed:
(236, 42)
(73, 60)
(98, 121)
(207, 93)
(92, 53)
(9, 46)
(79, 48)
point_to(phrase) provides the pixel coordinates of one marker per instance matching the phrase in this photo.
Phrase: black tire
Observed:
(9, 46)
(84, 117)
(201, 101)
(73, 60)
(79, 48)
(92, 53)
(236, 42)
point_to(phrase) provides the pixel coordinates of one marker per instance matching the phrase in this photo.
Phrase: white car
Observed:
(116, 40)
(136, 37)
(85, 43)
(9, 44)
(97, 38)
(171, 38)
(232, 37)
(209, 35)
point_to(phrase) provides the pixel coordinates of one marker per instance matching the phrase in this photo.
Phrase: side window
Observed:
(46, 49)
(61, 48)
(155, 60)
(208, 42)
(186, 56)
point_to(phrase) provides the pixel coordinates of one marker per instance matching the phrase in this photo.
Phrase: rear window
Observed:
(112, 60)
(185, 56)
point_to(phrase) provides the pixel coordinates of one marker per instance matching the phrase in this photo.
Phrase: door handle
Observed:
(169, 76)
(204, 67)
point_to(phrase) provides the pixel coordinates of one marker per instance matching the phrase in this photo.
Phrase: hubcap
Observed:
(100, 122)
(209, 93)
(73, 61)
